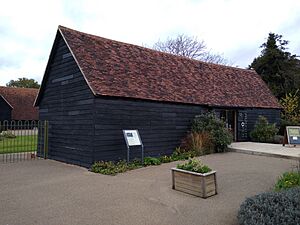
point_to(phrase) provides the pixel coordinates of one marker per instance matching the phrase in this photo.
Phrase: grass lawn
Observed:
(18, 144)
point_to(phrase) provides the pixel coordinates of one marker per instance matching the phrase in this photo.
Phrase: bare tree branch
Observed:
(189, 47)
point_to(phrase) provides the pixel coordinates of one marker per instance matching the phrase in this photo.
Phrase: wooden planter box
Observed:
(201, 185)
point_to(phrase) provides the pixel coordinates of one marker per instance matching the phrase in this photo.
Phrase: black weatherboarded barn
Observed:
(16, 104)
(93, 88)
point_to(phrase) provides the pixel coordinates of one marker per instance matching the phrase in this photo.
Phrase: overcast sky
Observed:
(234, 28)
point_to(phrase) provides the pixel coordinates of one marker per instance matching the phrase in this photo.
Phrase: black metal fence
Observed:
(23, 140)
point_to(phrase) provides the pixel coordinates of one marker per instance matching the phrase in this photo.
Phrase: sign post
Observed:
(132, 138)
(292, 136)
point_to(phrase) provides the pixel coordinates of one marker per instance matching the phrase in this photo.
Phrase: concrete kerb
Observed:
(265, 149)
(251, 152)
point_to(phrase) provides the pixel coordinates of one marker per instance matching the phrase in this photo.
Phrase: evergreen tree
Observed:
(278, 67)
(23, 83)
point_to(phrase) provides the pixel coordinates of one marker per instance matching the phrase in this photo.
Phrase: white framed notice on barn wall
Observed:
(132, 138)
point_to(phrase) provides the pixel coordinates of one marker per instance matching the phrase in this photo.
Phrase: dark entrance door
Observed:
(229, 117)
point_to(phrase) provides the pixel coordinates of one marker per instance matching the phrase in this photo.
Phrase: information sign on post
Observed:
(132, 138)
(292, 135)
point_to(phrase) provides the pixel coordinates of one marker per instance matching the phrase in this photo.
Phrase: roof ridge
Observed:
(150, 49)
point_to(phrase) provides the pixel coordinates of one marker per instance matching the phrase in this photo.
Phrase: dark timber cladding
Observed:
(93, 88)
(68, 105)
(161, 125)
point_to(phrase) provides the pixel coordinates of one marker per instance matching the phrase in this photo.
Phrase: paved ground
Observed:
(46, 192)
(274, 150)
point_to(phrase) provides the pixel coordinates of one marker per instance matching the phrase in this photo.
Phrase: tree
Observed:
(190, 47)
(278, 67)
(291, 107)
(24, 83)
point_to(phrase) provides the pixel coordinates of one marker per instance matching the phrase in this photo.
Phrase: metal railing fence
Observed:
(23, 140)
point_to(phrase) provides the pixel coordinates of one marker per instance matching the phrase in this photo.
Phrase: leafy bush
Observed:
(166, 159)
(291, 107)
(215, 127)
(200, 143)
(288, 180)
(148, 161)
(271, 208)
(284, 123)
(263, 131)
(194, 165)
(112, 168)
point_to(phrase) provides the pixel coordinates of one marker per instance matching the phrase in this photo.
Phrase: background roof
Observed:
(22, 100)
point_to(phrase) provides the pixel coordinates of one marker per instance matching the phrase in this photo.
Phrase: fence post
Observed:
(45, 139)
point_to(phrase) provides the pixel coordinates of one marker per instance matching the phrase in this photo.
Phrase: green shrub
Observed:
(271, 208)
(148, 161)
(166, 159)
(288, 180)
(194, 165)
(112, 168)
(291, 108)
(209, 123)
(104, 168)
(284, 123)
(263, 131)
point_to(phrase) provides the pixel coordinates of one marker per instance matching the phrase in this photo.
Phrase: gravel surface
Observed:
(49, 192)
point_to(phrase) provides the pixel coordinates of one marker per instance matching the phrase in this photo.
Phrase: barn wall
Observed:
(249, 118)
(67, 103)
(5, 110)
(161, 126)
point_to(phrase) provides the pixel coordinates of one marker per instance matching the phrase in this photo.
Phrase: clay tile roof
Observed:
(114, 68)
(21, 100)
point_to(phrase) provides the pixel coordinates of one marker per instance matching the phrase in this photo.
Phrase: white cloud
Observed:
(232, 27)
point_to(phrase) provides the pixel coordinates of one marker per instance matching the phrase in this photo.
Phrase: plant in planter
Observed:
(193, 177)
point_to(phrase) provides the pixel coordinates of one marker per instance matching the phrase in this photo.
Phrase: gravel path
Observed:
(47, 192)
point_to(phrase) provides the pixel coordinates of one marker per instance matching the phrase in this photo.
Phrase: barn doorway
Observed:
(229, 117)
